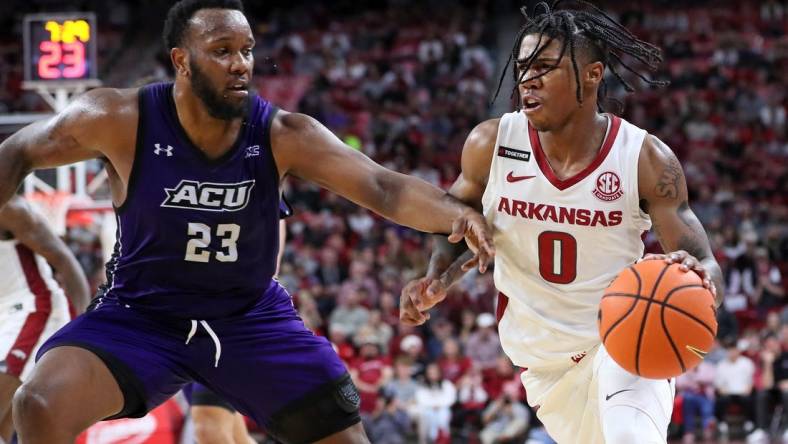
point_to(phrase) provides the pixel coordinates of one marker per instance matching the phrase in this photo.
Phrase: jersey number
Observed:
(200, 239)
(557, 257)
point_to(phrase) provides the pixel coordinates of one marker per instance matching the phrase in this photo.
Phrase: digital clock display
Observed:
(60, 47)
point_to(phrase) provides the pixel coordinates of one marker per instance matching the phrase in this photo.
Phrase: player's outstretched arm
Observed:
(32, 230)
(663, 194)
(450, 261)
(304, 148)
(77, 133)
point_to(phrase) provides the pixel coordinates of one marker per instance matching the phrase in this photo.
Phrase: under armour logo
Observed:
(19, 354)
(252, 151)
(159, 150)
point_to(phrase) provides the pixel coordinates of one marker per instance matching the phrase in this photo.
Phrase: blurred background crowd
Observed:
(404, 82)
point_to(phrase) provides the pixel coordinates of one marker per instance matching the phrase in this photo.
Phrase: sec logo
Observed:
(608, 187)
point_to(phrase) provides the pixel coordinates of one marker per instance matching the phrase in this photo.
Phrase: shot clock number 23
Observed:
(60, 47)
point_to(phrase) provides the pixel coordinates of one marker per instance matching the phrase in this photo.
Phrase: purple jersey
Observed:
(197, 238)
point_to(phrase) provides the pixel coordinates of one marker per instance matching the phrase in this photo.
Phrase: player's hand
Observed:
(409, 314)
(477, 234)
(427, 292)
(688, 262)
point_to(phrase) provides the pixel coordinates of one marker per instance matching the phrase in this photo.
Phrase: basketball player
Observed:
(32, 304)
(215, 420)
(195, 168)
(568, 190)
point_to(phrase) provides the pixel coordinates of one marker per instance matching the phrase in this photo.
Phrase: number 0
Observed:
(557, 257)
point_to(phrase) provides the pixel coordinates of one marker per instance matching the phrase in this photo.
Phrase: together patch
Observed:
(512, 153)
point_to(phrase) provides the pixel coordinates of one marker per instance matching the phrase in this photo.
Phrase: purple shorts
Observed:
(199, 395)
(264, 362)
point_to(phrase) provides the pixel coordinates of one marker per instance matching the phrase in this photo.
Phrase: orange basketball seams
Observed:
(657, 321)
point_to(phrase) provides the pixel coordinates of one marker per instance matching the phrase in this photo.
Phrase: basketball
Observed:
(657, 321)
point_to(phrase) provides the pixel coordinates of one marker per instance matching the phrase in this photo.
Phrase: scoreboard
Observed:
(60, 47)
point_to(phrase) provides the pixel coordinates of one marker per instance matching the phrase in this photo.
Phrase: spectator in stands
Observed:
(471, 400)
(389, 311)
(696, 387)
(329, 272)
(500, 376)
(360, 282)
(442, 331)
(370, 372)
(433, 406)
(505, 419)
(773, 325)
(734, 383)
(376, 330)
(483, 346)
(403, 386)
(467, 325)
(338, 335)
(388, 423)
(307, 310)
(774, 386)
(769, 292)
(453, 364)
(740, 288)
(412, 347)
(349, 313)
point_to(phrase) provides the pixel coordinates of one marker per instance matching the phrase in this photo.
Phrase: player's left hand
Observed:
(409, 313)
(688, 262)
(477, 234)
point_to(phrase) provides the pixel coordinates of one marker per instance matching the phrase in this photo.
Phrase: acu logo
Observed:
(209, 196)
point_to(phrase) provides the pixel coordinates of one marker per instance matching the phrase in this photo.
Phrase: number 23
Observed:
(200, 239)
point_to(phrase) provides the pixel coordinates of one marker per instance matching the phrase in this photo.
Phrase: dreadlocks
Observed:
(588, 28)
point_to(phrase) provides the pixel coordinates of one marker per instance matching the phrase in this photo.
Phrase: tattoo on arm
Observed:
(692, 245)
(669, 182)
(693, 242)
(455, 271)
(443, 255)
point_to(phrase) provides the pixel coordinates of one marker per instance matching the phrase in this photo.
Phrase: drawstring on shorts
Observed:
(211, 333)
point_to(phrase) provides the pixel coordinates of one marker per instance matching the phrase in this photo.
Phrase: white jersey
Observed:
(21, 269)
(559, 243)
(32, 307)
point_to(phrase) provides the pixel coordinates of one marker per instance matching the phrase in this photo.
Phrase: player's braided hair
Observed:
(582, 26)
(180, 13)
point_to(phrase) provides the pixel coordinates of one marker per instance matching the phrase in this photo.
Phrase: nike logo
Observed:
(698, 352)
(512, 178)
(607, 398)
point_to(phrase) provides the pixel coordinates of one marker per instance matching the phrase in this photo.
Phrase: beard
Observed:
(218, 105)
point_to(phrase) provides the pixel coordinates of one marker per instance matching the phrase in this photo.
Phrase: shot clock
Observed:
(60, 47)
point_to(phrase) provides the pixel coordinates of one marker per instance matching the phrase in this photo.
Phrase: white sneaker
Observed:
(758, 436)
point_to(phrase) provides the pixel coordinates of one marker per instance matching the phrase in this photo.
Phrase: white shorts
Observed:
(573, 399)
(27, 319)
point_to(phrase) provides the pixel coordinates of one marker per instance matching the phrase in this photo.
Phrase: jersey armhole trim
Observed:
(287, 211)
(640, 217)
(137, 151)
(491, 178)
(268, 123)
